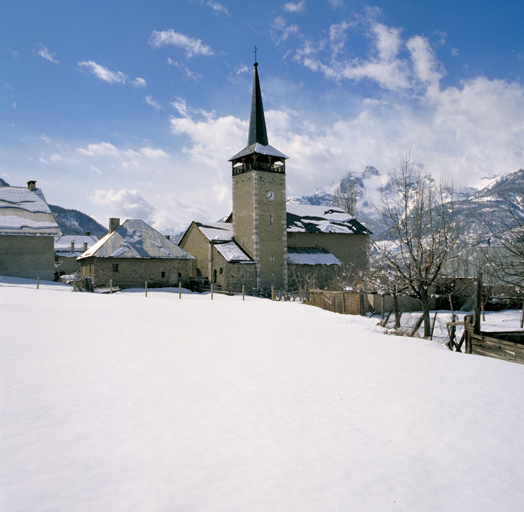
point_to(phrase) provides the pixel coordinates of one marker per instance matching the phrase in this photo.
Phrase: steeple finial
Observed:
(257, 121)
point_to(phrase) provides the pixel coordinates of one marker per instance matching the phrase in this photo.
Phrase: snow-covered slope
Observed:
(73, 222)
(160, 404)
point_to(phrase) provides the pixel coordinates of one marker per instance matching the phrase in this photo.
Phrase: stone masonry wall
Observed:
(135, 271)
(27, 256)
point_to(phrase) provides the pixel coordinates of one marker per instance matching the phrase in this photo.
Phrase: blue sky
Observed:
(132, 108)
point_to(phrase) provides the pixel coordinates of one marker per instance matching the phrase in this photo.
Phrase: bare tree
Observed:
(420, 230)
(346, 196)
(505, 254)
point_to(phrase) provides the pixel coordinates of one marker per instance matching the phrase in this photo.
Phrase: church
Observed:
(265, 243)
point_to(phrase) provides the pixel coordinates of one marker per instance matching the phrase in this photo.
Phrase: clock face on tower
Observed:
(270, 195)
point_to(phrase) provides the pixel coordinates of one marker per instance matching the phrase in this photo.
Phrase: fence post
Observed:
(37, 283)
(272, 293)
(110, 286)
(243, 293)
(179, 290)
(146, 288)
(211, 291)
(478, 305)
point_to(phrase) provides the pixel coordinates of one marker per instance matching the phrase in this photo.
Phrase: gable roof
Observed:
(220, 234)
(63, 244)
(25, 212)
(321, 219)
(135, 239)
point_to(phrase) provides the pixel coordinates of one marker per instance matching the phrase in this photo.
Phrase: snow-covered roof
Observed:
(233, 253)
(23, 211)
(216, 231)
(63, 244)
(260, 149)
(321, 219)
(311, 256)
(135, 239)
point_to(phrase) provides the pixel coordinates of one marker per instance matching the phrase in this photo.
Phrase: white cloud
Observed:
(218, 7)
(190, 74)
(192, 46)
(294, 7)
(139, 82)
(111, 77)
(46, 54)
(153, 103)
(280, 30)
(14, 105)
(153, 154)
(100, 149)
(126, 203)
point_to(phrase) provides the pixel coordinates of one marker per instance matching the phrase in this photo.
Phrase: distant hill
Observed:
(73, 222)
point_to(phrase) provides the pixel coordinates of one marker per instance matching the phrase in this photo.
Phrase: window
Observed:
(271, 218)
(221, 271)
(115, 267)
(179, 275)
(271, 258)
(215, 276)
(163, 273)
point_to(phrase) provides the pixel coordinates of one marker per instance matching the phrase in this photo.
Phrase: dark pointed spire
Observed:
(257, 121)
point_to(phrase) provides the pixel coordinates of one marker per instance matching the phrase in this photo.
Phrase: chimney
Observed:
(168, 237)
(31, 185)
(72, 246)
(113, 224)
(85, 246)
(87, 233)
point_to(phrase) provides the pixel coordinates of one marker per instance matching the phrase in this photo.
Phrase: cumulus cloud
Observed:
(294, 7)
(125, 203)
(192, 46)
(46, 54)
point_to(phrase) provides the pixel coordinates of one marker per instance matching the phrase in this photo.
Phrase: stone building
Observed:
(272, 243)
(68, 248)
(219, 258)
(133, 253)
(27, 231)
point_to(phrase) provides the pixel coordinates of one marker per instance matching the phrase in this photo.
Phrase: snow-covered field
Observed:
(126, 403)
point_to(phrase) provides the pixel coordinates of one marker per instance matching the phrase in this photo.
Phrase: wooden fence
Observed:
(508, 345)
(346, 303)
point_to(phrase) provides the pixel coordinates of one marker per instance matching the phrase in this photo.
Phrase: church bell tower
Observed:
(259, 199)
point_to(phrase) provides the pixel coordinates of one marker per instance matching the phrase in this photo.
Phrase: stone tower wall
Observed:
(260, 224)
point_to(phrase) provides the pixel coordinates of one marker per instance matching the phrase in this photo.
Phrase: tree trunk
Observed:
(425, 311)
(395, 307)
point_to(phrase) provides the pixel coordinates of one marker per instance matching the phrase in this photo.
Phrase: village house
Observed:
(27, 231)
(264, 242)
(68, 248)
(133, 253)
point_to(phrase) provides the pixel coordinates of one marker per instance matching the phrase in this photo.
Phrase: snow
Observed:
(311, 256)
(217, 231)
(108, 405)
(232, 252)
(323, 219)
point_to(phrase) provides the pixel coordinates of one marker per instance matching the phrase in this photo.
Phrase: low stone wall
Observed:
(131, 272)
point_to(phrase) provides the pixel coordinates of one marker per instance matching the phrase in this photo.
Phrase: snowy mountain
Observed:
(472, 207)
(73, 222)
